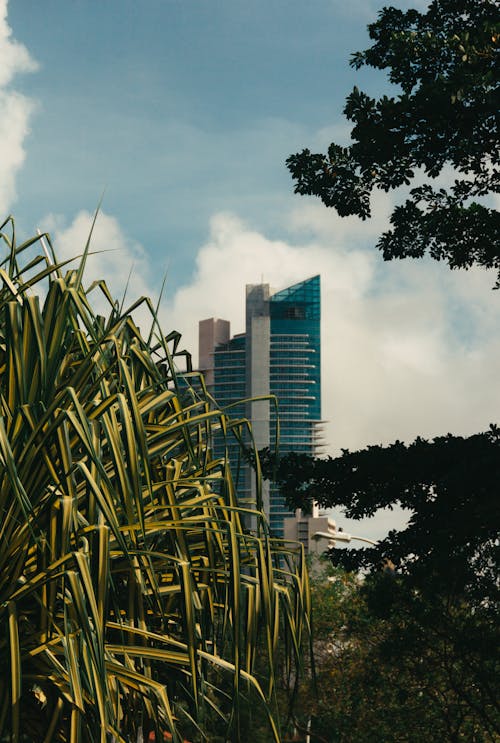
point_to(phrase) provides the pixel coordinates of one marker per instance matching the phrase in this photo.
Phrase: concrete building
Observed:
(212, 333)
(278, 357)
(305, 529)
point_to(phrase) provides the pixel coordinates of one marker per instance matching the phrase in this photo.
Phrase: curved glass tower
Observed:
(295, 376)
(279, 354)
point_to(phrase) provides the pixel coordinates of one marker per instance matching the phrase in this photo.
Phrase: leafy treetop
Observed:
(448, 484)
(436, 607)
(445, 62)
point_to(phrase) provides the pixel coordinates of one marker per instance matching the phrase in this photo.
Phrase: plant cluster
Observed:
(132, 598)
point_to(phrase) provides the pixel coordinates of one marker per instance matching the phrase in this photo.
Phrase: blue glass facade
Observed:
(229, 378)
(280, 355)
(295, 375)
(229, 387)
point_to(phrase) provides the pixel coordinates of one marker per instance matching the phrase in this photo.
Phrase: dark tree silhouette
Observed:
(445, 115)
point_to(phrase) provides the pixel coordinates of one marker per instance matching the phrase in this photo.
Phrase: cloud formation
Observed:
(16, 110)
(122, 263)
(408, 348)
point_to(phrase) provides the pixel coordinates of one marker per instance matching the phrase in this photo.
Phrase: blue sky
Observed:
(184, 111)
(179, 109)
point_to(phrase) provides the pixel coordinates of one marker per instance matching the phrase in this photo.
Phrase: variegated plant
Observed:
(131, 596)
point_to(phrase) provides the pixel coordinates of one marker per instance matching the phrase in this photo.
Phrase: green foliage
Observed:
(448, 484)
(445, 62)
(435, 619)
(387, 672)
(130, 594)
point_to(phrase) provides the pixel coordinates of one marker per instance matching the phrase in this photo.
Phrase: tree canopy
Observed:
(449, 485)
(394, 668)
(443, 119)
(435, 612)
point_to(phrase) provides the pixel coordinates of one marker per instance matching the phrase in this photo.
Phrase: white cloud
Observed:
(404, 347)
(122, 263)
(16, 110)
(311, 219)
(14, 56)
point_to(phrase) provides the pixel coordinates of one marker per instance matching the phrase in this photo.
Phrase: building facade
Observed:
(276, 367)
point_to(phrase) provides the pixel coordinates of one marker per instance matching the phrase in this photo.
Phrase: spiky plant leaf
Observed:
(130, 594)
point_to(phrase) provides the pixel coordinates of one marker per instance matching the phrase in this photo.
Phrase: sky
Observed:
(181, 113)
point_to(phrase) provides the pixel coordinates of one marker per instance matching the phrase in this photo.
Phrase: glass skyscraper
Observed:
(279, 355)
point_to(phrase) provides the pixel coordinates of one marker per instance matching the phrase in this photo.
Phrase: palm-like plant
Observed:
(130, 594)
